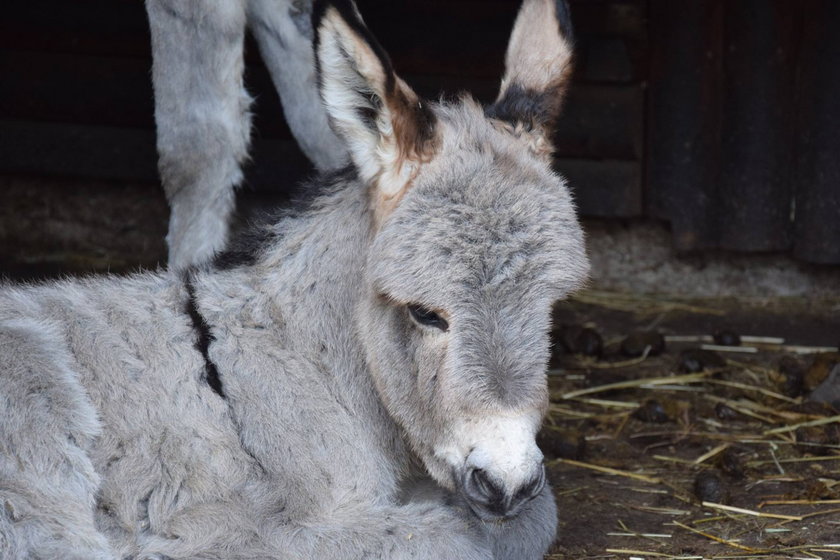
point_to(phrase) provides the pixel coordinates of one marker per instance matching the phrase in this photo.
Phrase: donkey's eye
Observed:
(427, 317)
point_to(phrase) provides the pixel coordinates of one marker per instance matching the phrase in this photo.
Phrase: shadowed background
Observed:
(703, 125)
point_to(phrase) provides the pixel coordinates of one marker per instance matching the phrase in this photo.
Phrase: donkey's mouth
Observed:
(491, 501)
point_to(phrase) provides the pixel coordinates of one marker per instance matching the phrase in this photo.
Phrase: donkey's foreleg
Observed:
(47, 427)
(283, 29)
(525, 537)
(203, 123)
(529, 535)
(414, 531)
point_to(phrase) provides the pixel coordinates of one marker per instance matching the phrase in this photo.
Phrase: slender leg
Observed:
(283, 30)
(203, 123)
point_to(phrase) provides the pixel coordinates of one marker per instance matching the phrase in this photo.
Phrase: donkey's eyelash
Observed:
(426, 317)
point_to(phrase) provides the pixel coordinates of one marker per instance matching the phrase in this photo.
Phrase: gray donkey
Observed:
(202, 107)
(366, 381)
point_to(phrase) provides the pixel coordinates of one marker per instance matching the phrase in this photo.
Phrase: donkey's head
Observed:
(473, 238)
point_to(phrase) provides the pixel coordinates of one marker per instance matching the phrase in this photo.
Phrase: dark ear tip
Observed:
(319, 10)
(564, 19)
(347, 9)
(350, 14)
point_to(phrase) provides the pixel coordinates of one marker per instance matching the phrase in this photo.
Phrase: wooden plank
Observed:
(91, 16)
(611, 43)
(77, 151)
(106, 27)
(756, 174)
(76, 88)
(59, 226)
(123, 154)
(468, 38)
(72, 41)
(817, 210)
(684, 119)
(618, 18)
(604, 188)
(602, 121)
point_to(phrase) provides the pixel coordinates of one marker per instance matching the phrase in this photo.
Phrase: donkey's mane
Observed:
(264, 228)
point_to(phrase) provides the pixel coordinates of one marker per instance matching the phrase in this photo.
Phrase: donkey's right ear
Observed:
(538, 67)
(388, 130)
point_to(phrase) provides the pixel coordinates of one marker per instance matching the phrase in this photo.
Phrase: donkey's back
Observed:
(106, 410)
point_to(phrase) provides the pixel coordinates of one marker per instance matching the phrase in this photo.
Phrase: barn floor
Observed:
(732, 461)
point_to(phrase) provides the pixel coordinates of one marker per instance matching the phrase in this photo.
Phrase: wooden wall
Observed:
(710, 114)
(743, 125)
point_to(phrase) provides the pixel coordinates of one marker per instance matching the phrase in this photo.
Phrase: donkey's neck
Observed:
(306, 287)
(313, 276)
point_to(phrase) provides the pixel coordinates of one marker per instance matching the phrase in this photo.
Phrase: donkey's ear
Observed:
(388, 130)
(538, 66)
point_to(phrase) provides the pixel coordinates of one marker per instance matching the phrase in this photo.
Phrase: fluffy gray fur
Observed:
(346, 426)
(202, 107)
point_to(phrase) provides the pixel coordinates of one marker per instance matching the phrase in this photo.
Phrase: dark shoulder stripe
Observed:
(205, 338)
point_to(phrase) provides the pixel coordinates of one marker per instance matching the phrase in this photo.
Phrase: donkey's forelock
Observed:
(490, 215)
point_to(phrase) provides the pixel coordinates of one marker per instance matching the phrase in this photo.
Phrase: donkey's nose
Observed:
(488, 499)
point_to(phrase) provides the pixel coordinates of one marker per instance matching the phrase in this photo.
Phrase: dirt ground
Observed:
(721, 455)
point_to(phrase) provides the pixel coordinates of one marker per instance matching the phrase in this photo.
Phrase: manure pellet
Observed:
(694, 360)
(726, 337)
(635, 344)
(709, 487)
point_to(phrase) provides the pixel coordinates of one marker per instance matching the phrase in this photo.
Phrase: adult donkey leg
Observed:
(283, 29)
(47, 481)
(203, 123)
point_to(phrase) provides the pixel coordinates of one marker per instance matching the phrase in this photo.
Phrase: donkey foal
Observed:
(365, 382)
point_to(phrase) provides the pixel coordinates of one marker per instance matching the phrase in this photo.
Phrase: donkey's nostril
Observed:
(483, 493)
(531, 489)
(481, 483)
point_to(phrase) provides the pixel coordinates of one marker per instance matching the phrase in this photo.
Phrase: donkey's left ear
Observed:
(538, 67)
(388, 130)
